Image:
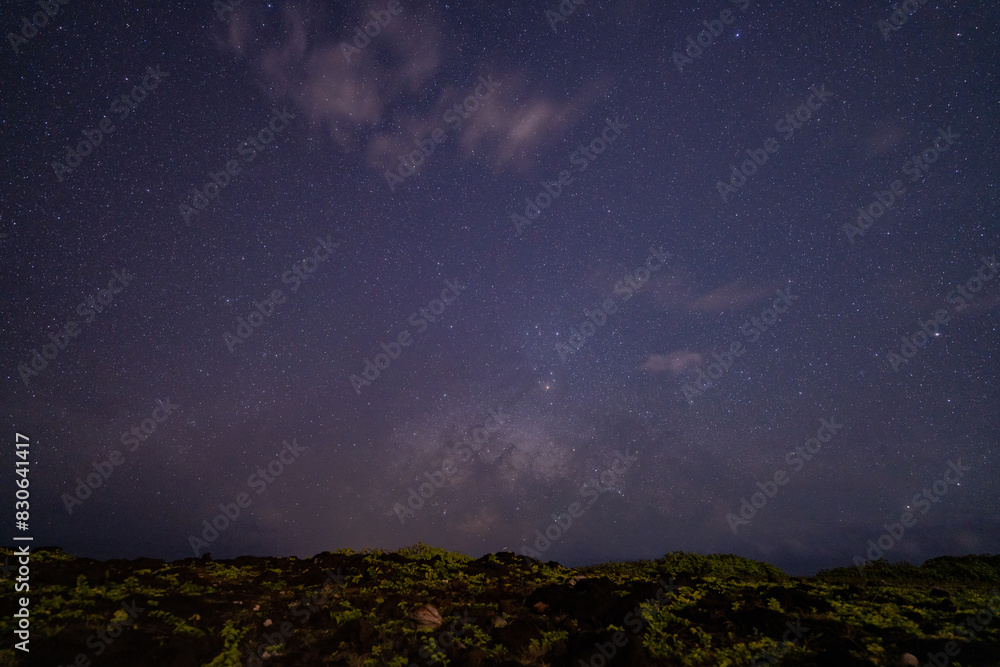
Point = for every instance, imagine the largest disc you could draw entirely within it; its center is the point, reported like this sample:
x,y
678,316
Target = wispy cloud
x,y
675,362
374,102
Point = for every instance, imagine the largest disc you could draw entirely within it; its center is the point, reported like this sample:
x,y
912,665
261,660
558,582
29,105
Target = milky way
x,y
608,278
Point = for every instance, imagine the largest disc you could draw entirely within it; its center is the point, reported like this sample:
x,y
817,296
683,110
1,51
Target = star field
x,y
486,260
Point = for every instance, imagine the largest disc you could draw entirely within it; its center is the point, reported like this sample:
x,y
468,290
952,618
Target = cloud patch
x,y
675,362
378,100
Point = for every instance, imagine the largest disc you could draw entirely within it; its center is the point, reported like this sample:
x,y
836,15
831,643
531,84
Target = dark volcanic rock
x,y
502,609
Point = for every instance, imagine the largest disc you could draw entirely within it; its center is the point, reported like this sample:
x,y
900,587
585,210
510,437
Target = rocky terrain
x,y
426,606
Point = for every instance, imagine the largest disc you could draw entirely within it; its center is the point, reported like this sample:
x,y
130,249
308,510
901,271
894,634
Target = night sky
x,y
706,276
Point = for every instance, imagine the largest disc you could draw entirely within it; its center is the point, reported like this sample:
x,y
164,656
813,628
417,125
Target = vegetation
x,y
427,606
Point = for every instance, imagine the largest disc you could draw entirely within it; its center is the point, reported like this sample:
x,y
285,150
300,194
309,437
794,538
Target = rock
x,y
426,616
